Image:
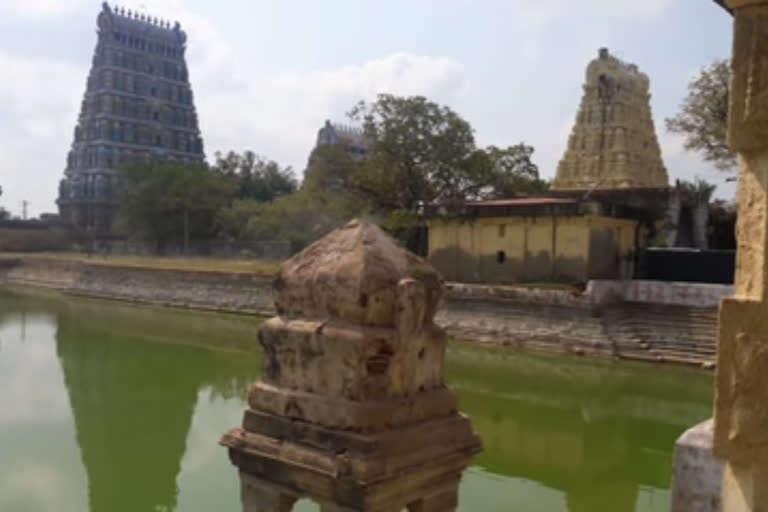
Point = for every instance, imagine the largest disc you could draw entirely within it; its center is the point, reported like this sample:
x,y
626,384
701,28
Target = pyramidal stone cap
x,y
356,274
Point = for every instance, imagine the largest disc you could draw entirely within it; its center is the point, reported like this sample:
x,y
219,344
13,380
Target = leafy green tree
x,y
418,152
421,152
699,189
300,218
331,179
167,201
256,177
235,221
513,171
703,116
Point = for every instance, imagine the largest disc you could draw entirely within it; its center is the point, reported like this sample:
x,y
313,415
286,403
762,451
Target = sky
x,y
267,74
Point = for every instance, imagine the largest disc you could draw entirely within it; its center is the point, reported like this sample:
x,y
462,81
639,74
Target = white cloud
x,y
41,100
537,14
40,8
281,113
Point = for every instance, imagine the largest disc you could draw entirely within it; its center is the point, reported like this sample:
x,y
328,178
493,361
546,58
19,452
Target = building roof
x,y
523,201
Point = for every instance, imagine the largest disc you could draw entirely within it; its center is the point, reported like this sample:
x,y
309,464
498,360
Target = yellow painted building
x,y
531,240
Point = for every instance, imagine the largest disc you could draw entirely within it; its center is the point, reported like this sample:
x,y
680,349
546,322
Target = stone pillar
x,y
701,223
741,394
672,218
352,410
697,475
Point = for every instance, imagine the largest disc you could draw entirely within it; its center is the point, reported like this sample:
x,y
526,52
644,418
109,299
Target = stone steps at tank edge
x,y
679,342
670,357
598,338
596,350
652,324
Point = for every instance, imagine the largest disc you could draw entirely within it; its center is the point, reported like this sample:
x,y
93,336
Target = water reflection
x,y
110,407
129,383
39,465
599,433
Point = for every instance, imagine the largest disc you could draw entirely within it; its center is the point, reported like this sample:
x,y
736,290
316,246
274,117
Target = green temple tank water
x,y
108,407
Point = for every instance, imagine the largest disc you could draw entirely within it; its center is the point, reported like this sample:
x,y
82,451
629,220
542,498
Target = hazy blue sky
x,y
266,74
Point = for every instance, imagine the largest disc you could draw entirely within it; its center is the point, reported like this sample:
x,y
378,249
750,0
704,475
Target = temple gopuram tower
x,y
137,106
613,143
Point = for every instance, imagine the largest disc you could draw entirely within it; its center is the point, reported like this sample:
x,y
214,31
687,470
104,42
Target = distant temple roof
x,y
333,133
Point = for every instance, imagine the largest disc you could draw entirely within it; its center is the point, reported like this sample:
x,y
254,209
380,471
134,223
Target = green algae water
x,y
108,407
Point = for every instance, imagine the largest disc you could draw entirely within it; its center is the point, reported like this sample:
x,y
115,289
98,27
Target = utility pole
x,y
24,209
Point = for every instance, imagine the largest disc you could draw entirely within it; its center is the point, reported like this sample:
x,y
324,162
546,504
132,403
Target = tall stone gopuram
x,y
352,410
137,106
613,143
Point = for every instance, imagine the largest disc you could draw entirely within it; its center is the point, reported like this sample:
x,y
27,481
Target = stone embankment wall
x,y
216,291
600,321
634,320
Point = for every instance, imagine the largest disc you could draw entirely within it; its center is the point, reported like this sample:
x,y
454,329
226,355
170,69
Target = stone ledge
x,y
361,416
696,474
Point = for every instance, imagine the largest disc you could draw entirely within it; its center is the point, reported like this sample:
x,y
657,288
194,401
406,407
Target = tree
x,y
165,201
256,177
196,189
299,218
331,180
421,152
703,116
700,190
514,172
234,221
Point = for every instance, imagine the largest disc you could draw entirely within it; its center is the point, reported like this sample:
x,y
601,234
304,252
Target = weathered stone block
x,y
741,398
351,409
697,474
748,114
364,416
358,274
353,362
405,466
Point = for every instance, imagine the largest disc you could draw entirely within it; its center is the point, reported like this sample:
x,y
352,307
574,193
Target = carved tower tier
x,y
137,106
613,143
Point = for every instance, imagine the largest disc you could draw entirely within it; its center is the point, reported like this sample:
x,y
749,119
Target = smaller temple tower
x,y
350,138
613,143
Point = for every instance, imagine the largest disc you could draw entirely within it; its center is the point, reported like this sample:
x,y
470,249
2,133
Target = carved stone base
x,y
363,416
417,467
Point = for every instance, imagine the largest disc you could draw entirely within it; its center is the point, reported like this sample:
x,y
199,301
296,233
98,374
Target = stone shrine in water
x,y
613,143
137,106
352,410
